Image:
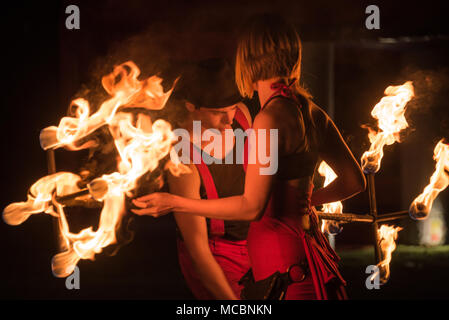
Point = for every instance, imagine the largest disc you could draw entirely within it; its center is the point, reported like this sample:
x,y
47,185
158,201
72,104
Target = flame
x,y
422,205
329,226
387,237
40,197
391,120
140,148
126,90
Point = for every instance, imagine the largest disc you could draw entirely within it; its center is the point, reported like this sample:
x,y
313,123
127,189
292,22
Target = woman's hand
x,y
154,204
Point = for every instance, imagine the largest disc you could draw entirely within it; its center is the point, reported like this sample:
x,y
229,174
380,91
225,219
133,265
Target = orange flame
x,y
40,197
140,148
387,236
391,120
422,205
329,226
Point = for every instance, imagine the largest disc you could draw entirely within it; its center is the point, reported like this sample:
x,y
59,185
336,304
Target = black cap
x,y
208,84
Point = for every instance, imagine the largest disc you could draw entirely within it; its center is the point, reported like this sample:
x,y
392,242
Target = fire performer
x,y
212,253
284,241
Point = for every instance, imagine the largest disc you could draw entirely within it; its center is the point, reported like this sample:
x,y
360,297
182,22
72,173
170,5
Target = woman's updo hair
x,y
268,47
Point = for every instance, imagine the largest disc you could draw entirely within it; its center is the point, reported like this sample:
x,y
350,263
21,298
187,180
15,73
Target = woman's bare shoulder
x,y
270,116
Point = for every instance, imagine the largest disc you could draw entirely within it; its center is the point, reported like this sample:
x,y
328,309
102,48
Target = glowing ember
x,y
422,205
330,226
140,148
390,114
387,236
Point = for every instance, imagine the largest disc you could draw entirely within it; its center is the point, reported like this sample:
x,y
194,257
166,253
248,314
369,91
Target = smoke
x,y
430,86
427,111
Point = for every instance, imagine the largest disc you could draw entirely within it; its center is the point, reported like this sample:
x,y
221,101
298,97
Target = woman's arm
x,y
350,179
248,207
194,233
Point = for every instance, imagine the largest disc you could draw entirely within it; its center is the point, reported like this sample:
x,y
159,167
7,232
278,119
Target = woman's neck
x,y
264,90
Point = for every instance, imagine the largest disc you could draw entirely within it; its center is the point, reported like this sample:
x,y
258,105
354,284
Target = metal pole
x,y
373,213
345,217
393,216
51,166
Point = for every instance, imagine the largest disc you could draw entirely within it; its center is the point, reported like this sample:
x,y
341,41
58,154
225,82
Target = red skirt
x,y
275,244
232,256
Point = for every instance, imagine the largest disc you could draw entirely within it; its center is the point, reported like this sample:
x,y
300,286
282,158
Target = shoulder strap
x,y
282,90
244,123
241,119
216,226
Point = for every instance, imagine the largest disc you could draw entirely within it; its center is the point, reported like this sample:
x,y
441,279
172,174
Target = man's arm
x,y
194,232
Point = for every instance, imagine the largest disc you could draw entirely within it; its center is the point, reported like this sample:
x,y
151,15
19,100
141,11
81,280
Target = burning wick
x,y
422,205
387,236
391,120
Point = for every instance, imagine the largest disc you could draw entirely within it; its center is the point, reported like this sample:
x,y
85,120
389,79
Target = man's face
x,y
217,118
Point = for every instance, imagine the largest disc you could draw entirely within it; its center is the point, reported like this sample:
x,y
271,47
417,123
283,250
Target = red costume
x,y
277,241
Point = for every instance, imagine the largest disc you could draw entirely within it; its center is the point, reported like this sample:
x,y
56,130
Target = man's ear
x,y
255,86
189,106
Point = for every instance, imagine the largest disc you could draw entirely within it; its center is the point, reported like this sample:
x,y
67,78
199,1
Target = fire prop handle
x,y
62,200
372,217
373,213
51,167
353,217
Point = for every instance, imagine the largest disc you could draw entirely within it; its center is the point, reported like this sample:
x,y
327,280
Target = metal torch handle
x,y
373,213
51,166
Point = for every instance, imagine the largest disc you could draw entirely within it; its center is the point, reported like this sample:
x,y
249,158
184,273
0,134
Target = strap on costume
x,y
241,119
282,90
216,226
243,122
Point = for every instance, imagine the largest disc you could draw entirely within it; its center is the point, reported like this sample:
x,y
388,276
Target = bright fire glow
x,y
141,144
422,205
387,238
391,120
330,226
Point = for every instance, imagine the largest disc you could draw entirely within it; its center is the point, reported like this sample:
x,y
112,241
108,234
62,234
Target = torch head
x,y
418,211
98,188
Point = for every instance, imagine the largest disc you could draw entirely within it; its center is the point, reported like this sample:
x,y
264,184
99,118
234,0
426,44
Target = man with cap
x,y
212,253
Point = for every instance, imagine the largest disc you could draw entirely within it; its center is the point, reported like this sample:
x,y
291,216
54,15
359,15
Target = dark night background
x,y
345,66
